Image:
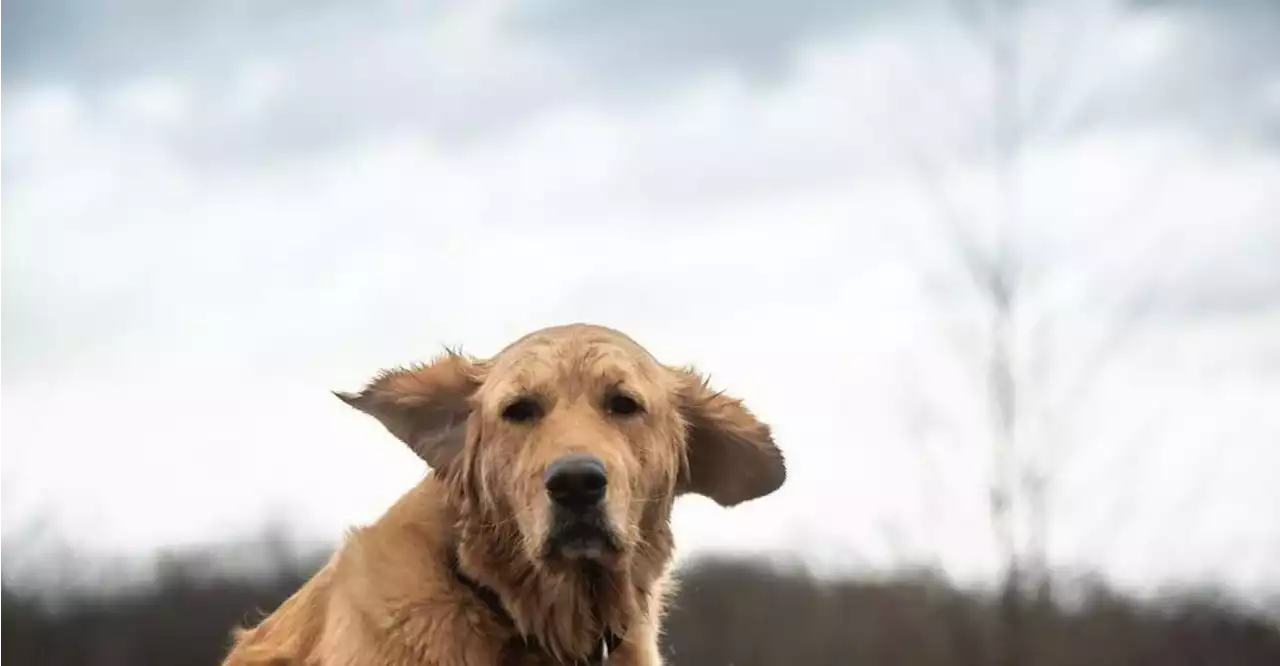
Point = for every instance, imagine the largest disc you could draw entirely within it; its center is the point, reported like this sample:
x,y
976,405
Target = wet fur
x,y
390,596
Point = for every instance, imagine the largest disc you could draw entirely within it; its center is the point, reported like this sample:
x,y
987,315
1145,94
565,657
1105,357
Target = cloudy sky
x,y
216,212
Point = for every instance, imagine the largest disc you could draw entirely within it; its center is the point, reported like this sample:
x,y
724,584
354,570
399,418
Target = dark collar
x,y
607,643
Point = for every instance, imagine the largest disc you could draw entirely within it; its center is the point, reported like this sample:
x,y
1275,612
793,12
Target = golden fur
x,y
392,594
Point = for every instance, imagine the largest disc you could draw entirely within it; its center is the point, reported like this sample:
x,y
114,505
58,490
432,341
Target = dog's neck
x,y
520,645
565,611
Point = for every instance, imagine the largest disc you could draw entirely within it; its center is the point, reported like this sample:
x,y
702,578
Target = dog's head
x,y
576,437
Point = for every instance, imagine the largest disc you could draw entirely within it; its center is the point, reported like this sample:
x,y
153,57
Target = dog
x,y
541,534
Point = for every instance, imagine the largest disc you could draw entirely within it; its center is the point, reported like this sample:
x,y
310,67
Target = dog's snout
x,y
576,481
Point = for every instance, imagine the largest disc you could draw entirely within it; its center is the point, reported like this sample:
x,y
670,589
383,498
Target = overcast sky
x,y
216,212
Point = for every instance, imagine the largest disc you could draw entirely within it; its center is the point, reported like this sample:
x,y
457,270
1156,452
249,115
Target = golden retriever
x,y
542,534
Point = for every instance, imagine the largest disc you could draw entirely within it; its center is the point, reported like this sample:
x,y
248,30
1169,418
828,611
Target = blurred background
x,y
1004,275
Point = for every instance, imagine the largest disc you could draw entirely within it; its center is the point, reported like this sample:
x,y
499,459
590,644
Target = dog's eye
x,y
622,405
522,410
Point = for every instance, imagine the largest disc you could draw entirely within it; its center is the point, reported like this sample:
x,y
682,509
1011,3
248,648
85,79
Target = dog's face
x,y
578,436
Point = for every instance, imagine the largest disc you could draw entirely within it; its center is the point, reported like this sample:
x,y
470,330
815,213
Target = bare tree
x,y
1014,363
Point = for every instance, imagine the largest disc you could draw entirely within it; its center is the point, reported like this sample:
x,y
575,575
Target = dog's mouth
x,y
580,538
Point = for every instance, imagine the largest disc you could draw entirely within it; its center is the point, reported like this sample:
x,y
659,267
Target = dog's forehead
x,y
579,350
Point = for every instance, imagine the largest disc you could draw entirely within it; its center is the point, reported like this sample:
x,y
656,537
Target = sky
x,y
214,213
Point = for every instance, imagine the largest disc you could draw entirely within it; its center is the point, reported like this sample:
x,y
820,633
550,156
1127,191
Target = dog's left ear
x,y
732,457
424,406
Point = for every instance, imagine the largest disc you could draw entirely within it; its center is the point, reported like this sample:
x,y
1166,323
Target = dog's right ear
x,y
425,406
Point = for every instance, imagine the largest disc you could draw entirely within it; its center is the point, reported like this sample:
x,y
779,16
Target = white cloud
x,y
151,102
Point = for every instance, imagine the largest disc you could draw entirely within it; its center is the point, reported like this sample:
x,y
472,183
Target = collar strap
x,y
605,646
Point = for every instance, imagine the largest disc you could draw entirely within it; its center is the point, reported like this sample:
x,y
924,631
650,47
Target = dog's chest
x,y
519,653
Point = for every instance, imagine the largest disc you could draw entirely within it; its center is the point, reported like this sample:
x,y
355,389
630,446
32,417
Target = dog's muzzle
x,y
577,485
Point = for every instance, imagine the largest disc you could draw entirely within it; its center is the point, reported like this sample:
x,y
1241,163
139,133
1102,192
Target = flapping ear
x,y
425,406
732,457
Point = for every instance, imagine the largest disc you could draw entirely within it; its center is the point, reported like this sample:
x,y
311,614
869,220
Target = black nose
x,y
576,481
